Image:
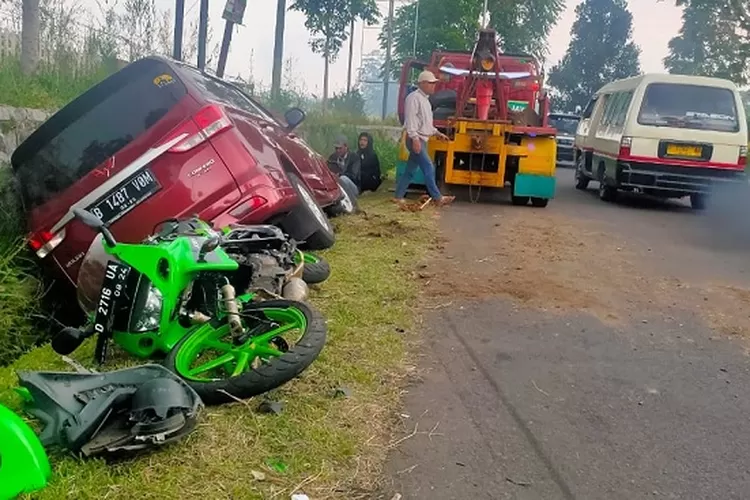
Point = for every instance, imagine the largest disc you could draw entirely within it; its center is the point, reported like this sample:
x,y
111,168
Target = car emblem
x,y
106,169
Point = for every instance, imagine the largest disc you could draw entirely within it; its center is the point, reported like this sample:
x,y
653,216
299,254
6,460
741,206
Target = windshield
x,y
689,106
92,128
564,124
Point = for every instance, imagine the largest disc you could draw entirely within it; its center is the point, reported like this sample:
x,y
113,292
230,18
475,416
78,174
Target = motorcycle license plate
x,y
113,287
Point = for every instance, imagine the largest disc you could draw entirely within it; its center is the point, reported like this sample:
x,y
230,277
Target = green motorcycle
x,y
173,295
24,466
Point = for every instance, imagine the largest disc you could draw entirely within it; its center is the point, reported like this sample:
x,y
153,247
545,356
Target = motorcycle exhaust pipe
x,y
295,289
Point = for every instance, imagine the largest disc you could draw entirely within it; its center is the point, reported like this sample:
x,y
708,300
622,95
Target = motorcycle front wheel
x,y
315,270
223,369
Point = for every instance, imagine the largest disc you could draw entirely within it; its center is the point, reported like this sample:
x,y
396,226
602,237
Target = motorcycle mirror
x,y
94,223
208,246
88,218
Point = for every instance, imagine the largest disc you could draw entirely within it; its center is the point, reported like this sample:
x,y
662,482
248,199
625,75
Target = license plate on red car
x,y
125,196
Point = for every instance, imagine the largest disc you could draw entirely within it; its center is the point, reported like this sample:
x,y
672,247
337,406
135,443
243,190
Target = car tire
x,y
347,205
308,223
582,182
698,201
606,192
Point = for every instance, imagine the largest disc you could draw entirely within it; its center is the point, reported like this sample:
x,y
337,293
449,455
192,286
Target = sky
x,y
655,22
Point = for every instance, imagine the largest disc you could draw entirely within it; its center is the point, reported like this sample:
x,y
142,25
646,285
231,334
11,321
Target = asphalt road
x,y
586,350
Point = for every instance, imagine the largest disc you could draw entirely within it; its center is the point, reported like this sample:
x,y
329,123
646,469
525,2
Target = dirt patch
x,y
558,262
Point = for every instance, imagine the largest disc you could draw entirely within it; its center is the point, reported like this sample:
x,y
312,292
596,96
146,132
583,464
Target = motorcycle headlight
x,y
146,318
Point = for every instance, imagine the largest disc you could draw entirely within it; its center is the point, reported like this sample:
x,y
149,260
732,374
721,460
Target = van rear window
x,y
93,127
696,107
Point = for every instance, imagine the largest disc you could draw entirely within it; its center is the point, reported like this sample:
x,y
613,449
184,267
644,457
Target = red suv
x,y
160,139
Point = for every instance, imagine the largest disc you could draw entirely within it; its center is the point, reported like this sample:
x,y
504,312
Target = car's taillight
x,y
248,206
742,160
625,144
44,242
210,121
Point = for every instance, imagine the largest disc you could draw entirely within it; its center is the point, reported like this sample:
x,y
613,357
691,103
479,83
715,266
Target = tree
x,y
30,36
328,23
522,26
601,50
714,41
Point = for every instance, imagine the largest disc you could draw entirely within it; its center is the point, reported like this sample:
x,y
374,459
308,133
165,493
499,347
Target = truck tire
x,y
606,192
308,222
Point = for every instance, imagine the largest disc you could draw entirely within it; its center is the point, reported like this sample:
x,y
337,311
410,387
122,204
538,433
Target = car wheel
x,y
308,223
698,201
582,182
348,203
606,193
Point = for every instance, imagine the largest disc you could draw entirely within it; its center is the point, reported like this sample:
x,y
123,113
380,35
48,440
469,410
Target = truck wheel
x,y
607,193
539,202
308,223
520,201
698,201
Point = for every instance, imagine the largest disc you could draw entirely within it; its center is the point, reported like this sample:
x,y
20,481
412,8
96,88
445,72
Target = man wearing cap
x,y
419,128
345,162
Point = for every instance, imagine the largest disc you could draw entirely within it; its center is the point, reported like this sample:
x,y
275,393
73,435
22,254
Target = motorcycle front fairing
x,y
138,306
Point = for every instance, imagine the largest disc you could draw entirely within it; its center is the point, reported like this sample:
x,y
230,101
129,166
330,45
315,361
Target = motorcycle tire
x,y
252,381
316,269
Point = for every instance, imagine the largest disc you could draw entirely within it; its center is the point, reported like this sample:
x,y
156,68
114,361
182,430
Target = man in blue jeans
x,y
419,128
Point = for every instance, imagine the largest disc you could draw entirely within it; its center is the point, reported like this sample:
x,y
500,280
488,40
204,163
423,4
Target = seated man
x,y
345,162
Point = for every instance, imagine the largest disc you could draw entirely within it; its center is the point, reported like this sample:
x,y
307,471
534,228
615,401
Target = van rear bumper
x,y
676,179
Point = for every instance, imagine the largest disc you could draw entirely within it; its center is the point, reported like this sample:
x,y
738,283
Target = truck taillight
x,y
210,120
625,144
742,160
44,242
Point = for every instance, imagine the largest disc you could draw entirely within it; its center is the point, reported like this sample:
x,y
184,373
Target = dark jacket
x,y
348,165
370,174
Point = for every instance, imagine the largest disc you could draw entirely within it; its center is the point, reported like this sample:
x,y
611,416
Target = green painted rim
x,y
217,352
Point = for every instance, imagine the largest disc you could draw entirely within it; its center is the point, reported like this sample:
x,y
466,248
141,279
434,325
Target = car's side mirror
x,y
293,118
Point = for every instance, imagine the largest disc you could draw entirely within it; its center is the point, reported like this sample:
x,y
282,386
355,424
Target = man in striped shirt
x,y
419,128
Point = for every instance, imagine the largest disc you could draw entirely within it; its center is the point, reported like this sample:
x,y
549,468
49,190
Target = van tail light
x,y
625,144
210,121
742,160
44,242
248,206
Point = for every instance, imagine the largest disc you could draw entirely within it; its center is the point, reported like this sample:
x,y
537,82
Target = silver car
x,y
566,124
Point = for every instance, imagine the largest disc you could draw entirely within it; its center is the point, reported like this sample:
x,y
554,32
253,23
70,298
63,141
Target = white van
x,y
664,135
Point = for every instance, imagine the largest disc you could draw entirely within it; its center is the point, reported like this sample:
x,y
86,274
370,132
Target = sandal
x,y
445,200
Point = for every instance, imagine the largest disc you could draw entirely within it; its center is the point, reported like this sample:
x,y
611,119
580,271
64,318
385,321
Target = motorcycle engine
x,y
267,272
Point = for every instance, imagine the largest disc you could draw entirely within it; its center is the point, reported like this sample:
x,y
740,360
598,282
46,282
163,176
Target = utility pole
x,y
278,49
179,18
202,34
387,75
351,57
485,11
224,52
416,28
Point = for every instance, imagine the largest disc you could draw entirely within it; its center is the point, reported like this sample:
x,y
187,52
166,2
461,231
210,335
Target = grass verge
x,y
324,446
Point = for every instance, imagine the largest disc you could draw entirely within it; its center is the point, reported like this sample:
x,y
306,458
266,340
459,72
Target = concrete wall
x,y
15,125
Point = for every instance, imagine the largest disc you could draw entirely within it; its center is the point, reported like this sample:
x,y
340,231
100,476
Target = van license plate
x,y
125,196
684,151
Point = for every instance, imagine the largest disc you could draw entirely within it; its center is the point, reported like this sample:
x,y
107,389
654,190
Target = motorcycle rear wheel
x,y
222,371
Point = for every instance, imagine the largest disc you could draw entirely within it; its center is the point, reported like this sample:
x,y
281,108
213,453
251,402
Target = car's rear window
x,y
696,107
564,124
93,127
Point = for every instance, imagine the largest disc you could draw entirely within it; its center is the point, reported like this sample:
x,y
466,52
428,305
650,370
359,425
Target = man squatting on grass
x,y
419,128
